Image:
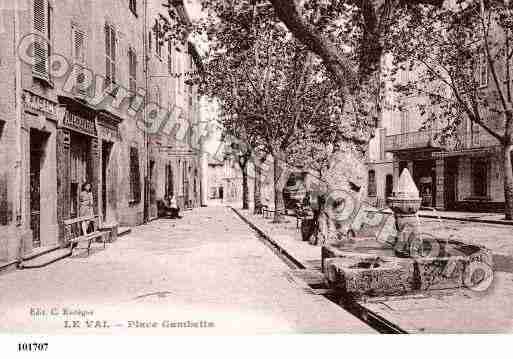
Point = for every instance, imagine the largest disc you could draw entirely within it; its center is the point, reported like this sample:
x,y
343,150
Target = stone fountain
x,y
407,261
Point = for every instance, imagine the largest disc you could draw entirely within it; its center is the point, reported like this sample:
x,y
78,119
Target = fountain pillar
x,y
405,204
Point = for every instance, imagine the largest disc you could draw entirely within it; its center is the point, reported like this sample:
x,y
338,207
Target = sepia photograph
x,y
199,168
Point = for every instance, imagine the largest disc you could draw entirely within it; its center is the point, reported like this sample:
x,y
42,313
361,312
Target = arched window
x,y
372,184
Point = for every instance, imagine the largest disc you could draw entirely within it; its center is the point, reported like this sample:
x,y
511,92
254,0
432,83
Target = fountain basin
x,y
370,268
356,275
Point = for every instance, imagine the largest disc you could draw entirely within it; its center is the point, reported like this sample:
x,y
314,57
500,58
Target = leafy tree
x,y
277,84
461,57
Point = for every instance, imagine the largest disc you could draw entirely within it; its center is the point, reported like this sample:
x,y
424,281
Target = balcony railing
x,y
410,140
425,139
471,140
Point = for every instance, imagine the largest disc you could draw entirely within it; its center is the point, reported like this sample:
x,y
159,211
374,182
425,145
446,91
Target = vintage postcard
x,y
219,167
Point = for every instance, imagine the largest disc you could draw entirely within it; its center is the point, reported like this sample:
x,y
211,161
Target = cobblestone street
x,y
208,266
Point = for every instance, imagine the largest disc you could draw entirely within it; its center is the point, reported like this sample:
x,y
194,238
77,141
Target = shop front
x,y
77,159
39,145
110,139
471,180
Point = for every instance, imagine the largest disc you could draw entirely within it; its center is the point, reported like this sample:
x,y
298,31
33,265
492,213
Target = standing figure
x,y
86,205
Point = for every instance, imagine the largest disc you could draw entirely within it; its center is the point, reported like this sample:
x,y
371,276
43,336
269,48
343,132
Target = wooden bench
x,y
268,212
75,232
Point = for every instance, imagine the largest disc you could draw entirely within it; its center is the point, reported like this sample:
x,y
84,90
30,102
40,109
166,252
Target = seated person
x,y
173,207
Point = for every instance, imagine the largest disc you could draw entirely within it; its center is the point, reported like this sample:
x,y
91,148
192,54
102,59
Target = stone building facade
x,y
464,174
175,146
68,116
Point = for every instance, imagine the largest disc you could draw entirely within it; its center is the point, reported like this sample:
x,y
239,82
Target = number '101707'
x,y
32,347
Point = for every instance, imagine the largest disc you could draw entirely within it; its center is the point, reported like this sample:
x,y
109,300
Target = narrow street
x,y
206,267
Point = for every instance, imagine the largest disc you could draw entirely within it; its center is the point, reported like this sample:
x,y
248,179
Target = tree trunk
x,y
280,172
257,195
508,182
245,189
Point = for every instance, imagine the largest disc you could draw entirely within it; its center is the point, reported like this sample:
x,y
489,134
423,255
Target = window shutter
x,y
110,53
113,52
40,13
107,53
79,43
41,41
79,57
107,39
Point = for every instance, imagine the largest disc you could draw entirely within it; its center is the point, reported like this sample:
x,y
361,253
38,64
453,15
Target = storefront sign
x,y
38,103
79,123
108,134
108,127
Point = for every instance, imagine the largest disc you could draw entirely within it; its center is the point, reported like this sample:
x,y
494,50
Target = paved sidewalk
x,y
459,312
208,267
287,236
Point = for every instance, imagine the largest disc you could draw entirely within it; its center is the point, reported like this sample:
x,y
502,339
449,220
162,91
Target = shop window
x,y
372,184
135,179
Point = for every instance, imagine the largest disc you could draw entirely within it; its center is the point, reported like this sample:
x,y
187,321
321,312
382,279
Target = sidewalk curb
x,y
476,220
270,242
297,262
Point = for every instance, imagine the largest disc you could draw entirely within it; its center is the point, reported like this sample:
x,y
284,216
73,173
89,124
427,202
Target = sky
x,y
208,110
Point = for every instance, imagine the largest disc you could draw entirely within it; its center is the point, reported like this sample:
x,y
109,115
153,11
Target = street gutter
x,y
374,320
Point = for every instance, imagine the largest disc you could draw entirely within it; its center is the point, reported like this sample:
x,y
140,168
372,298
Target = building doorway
x,y
451,176
38,142
80,169
402,166
169,191
424,177
152,202
389,186
106,153
185,178
480,177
